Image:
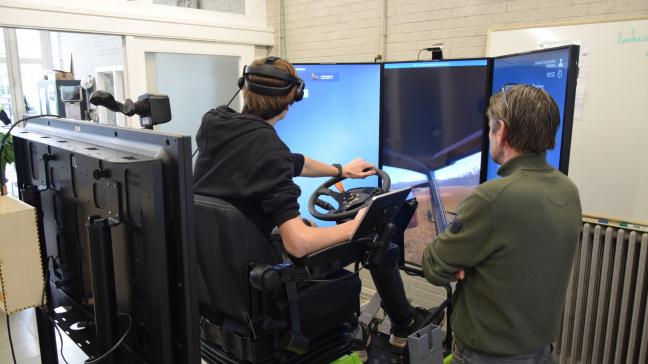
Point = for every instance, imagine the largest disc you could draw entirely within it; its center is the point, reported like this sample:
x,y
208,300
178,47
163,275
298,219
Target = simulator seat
x,y
259,306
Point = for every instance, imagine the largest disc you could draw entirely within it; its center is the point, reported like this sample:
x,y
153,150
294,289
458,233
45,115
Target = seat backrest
x,y
228,244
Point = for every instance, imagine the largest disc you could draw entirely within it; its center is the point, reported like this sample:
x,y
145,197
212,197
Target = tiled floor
x,y
25,340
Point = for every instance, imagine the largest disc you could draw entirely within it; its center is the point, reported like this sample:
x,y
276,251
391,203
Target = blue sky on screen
x,y
337,120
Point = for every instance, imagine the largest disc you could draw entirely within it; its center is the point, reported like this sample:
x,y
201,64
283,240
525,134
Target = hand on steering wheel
x,y
349,202
358,168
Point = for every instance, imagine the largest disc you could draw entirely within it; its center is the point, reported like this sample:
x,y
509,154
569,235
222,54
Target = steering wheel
x,y
349,202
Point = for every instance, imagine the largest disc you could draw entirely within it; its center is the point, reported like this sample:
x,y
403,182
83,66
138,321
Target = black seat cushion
x,y
228,243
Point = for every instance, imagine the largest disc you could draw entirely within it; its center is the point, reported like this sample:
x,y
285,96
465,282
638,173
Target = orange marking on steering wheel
x,y
340,186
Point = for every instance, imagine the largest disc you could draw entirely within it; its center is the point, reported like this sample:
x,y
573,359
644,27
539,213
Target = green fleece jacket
x,y
515,238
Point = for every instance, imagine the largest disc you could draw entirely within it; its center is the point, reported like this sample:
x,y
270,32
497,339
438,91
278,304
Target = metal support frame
x,y
103,284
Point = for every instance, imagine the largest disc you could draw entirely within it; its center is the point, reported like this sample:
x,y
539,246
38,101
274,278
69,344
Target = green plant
x,y
7,156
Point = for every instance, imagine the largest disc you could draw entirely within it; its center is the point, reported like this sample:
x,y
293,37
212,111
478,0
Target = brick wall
x,y
90,51
338,30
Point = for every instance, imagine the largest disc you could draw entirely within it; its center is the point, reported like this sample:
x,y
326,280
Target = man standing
x,y
513,241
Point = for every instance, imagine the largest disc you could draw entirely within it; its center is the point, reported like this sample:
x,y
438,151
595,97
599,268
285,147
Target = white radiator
x,y
605,318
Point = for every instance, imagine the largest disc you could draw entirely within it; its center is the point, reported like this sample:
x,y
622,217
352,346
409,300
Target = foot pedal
x,y
370,309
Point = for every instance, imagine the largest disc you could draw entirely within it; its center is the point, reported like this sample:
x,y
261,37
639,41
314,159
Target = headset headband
x,y
268,70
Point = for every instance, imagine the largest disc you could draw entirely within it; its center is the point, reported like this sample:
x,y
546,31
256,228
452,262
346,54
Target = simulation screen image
x,y
545,69
337,120
433,120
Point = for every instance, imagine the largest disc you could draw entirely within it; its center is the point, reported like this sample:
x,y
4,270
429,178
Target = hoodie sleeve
x,y
274,187
298,164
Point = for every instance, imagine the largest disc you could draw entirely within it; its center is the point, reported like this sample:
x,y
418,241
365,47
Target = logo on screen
x,y
325,76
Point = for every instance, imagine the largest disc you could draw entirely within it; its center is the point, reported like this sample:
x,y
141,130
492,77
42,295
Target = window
x,y
5,96
227,6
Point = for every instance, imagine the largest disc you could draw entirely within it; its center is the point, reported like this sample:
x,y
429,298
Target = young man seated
x,y
242,161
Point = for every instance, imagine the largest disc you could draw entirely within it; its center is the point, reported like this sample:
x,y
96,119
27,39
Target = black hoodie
x,y
242,161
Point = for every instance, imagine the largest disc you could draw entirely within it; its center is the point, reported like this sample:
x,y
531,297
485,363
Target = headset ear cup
x,y
300,91
241,82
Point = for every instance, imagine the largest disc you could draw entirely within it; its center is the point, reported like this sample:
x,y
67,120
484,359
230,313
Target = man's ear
x,y
501,133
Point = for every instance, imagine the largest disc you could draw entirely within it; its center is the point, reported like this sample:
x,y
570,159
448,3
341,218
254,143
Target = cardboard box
x,y
60,75
21,269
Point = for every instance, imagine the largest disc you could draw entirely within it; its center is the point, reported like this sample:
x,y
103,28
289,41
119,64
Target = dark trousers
x,y
464,355
389,284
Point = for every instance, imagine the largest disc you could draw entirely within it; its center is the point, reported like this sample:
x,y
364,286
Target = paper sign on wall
x,y
583,70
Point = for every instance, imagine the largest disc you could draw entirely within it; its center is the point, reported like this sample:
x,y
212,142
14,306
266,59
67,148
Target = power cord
x,y
117,344
13,354
44,309
418,57
436,50
58,331
6,136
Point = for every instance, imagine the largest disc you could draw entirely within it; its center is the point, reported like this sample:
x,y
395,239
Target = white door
x,y
197,76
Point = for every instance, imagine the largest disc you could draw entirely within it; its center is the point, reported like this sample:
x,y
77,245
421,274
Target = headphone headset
x,y
268,70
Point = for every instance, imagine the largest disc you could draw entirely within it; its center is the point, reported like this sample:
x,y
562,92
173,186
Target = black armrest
x,y
316,265
333,258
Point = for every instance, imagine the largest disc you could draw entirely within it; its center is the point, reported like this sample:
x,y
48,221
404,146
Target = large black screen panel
x,y
432,138
554,70
139,182
433,112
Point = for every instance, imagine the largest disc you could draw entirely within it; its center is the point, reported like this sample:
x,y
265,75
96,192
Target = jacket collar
x,y
526,161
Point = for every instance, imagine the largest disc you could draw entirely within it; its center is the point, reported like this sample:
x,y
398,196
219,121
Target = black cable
x,y
117,344
418,57
134,354
13,354
6,136
228,104
58,331
44,309
232,99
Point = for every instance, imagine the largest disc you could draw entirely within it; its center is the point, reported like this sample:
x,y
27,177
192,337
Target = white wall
x,y
195,83
339,30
